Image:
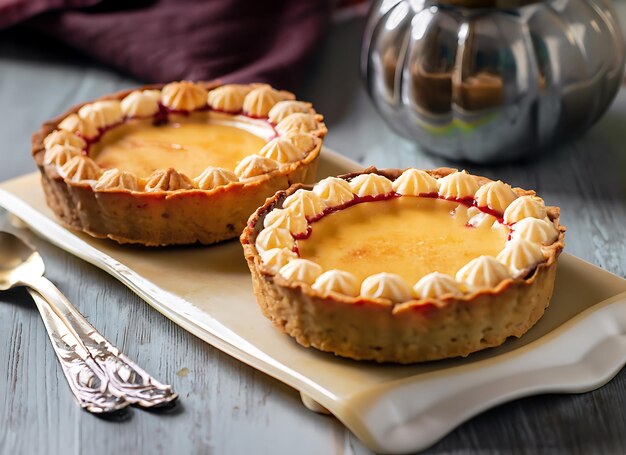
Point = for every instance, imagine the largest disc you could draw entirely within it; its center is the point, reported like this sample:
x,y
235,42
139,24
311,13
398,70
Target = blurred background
x,y
55,53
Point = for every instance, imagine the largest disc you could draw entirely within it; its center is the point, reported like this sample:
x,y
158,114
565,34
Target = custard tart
x,y
404,265
178,163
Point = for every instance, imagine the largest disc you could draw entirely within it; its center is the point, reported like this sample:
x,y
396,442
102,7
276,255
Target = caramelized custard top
x,y
409,236
188,145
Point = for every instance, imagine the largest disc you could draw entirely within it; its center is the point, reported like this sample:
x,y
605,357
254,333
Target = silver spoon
x,y
101,377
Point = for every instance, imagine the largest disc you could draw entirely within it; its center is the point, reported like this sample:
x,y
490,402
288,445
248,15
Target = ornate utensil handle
x,y
125,378
86,379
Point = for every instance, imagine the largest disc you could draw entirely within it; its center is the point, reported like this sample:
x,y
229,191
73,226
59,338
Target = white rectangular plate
x,y
391,408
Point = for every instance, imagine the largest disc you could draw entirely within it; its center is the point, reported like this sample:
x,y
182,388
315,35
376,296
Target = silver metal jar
x,y
492,80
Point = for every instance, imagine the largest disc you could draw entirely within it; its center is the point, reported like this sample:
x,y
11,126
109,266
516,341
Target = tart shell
x,y
409,332
163,217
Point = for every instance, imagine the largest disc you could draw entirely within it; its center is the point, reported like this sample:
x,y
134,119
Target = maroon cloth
x,y
165,40
15,11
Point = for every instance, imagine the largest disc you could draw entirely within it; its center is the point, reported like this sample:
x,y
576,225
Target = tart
x,y
404,265
178,163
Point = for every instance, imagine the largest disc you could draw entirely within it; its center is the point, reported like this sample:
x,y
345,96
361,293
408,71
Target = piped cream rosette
x,y
293,130
492,204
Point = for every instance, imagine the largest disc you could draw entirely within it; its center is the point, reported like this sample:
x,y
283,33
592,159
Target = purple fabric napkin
x,y
165,40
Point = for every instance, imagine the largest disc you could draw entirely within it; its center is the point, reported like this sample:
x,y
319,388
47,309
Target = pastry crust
x,y
159,218
414,331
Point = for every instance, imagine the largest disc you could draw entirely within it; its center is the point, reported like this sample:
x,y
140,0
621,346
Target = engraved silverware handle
x,y
125,378
86,379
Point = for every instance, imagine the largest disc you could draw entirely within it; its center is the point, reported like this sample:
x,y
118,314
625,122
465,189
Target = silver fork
x,y
101,377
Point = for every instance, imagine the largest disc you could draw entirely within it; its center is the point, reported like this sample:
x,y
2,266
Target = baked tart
x,y
178,163
404,265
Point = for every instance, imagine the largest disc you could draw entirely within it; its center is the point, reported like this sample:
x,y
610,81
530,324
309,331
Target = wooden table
x,y
226,406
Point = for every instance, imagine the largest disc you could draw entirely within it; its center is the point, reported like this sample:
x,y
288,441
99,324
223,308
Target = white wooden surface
x,y
225,406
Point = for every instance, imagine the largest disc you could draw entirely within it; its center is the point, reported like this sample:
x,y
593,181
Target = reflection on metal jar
x,y
492,80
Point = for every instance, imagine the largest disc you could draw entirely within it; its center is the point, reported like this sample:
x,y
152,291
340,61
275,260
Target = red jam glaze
x,y
466,201
160,118
497,215
303,235
96,138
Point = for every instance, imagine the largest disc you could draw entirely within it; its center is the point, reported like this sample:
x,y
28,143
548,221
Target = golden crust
x,y
163,218
409,332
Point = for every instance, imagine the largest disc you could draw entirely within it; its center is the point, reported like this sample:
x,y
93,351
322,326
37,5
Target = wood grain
x,y
226,406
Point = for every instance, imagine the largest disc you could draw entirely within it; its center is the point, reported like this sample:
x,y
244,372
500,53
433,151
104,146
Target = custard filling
x,y
187,144
409,236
